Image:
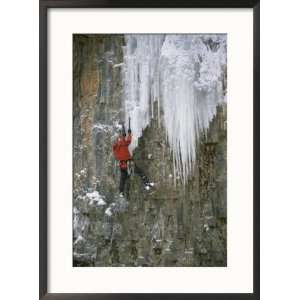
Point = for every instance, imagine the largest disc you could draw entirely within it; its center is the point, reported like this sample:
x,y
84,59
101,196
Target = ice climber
x,y
122,154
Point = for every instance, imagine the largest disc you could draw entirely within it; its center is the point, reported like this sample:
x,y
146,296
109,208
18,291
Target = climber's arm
x,y
128,138
117,143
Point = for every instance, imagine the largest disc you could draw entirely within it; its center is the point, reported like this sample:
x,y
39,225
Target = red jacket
x,y
120,148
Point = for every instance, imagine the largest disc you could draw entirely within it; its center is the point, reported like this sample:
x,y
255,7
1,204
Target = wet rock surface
x,y
170,225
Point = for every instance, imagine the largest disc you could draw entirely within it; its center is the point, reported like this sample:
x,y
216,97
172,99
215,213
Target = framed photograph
x,y
149,150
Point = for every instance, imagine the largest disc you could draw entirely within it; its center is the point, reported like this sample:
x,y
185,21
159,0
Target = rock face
x,y
171,225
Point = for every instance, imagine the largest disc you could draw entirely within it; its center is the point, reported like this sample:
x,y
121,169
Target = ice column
x,y
141,58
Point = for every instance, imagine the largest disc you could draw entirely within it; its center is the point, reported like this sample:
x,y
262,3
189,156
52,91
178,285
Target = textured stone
x,y
174,225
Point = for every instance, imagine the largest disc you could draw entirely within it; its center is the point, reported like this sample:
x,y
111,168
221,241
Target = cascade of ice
x,y
186,75
141,58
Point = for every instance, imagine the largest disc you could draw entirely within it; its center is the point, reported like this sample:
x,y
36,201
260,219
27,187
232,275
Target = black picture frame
x,y
43,145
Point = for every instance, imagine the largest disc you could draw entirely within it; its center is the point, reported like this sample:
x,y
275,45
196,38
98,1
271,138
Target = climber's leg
x,y
123,178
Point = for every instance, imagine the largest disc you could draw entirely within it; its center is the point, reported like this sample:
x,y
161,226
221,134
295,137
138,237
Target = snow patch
x,y
95,197
79,238
118,65
108,211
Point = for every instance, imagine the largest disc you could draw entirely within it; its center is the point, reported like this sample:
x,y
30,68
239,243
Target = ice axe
x,y
123,130
129,128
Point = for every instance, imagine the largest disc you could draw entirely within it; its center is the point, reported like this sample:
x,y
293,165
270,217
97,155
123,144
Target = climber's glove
x,y
129,131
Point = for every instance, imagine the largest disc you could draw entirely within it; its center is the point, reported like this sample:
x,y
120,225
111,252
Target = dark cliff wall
x,y
96,103
169,226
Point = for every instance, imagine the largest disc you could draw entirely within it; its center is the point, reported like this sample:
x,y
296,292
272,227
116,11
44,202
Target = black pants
x,y
124,176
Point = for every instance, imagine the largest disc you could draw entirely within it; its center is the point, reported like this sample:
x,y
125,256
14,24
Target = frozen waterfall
x,y
186,75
